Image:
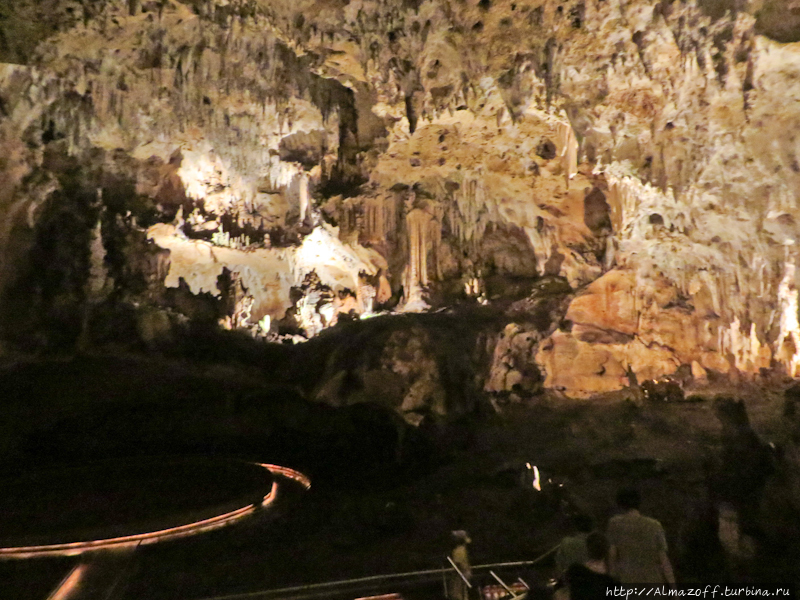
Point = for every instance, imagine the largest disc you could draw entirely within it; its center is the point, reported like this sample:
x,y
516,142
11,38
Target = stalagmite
x,y
365,297
384,291
243,312
787,346
568,144
98,274
303,196
6,226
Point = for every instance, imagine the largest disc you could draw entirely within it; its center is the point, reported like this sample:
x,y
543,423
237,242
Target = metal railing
x,y
360,582
460,574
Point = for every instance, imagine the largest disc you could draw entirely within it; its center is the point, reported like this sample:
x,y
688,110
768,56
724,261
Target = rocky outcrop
x,y
418,367
514,373
622,330
513,366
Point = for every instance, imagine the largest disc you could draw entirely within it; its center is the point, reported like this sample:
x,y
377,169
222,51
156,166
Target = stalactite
x,y
615,199
434,234
379,219
373,219
348,220
471,212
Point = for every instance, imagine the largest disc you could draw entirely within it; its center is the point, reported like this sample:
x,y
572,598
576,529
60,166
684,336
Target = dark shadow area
x,y
779,20
34,579
123,497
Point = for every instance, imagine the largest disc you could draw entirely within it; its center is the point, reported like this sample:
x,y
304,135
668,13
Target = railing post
x,y
503,583
469,585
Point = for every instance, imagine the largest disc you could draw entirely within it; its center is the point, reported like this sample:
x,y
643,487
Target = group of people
x,y
633,550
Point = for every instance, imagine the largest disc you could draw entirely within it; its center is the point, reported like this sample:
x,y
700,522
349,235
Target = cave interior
x,y
412,249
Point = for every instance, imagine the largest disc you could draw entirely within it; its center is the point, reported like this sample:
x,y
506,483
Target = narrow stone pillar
x,y
418,222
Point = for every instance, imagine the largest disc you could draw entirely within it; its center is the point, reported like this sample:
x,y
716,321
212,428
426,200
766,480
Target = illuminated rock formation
x,y
379,219
636,150
420,225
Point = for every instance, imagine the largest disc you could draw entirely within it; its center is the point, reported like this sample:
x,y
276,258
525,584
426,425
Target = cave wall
x,y
643,151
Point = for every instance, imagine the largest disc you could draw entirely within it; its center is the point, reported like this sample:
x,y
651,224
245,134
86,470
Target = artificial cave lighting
x,y
201,173
536,480
403,247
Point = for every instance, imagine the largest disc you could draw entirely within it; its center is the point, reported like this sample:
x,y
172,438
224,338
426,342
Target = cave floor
x,y
346,528
338,535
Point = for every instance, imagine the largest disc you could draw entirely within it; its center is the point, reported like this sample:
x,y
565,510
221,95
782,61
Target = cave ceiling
x,y
326,157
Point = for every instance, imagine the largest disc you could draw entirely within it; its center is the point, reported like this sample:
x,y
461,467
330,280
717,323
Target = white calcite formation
x,y
267,274
646,152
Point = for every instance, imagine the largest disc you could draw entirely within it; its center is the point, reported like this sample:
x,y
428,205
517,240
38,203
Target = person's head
x,y
596,546
629,499
460,537
582,523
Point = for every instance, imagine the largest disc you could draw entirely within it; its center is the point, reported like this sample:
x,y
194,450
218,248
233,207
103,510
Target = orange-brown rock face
x,y
608,304
580,369
621,327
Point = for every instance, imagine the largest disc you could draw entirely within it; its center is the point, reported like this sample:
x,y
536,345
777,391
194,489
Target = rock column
x,y
303,196
418,224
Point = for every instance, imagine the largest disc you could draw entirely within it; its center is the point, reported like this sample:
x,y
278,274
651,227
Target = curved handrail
x,y
287,472
170,533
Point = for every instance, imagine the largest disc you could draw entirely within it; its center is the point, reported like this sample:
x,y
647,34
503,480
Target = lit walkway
x,y
98,576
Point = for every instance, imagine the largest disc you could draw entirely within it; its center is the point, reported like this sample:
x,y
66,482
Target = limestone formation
x,y
644,152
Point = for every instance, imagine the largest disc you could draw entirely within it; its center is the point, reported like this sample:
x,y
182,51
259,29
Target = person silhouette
x,y
638,552
457,588
573,549
590,580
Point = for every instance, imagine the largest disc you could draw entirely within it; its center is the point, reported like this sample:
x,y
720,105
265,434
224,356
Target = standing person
x,y
590,580
638,552
572,549
457,589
